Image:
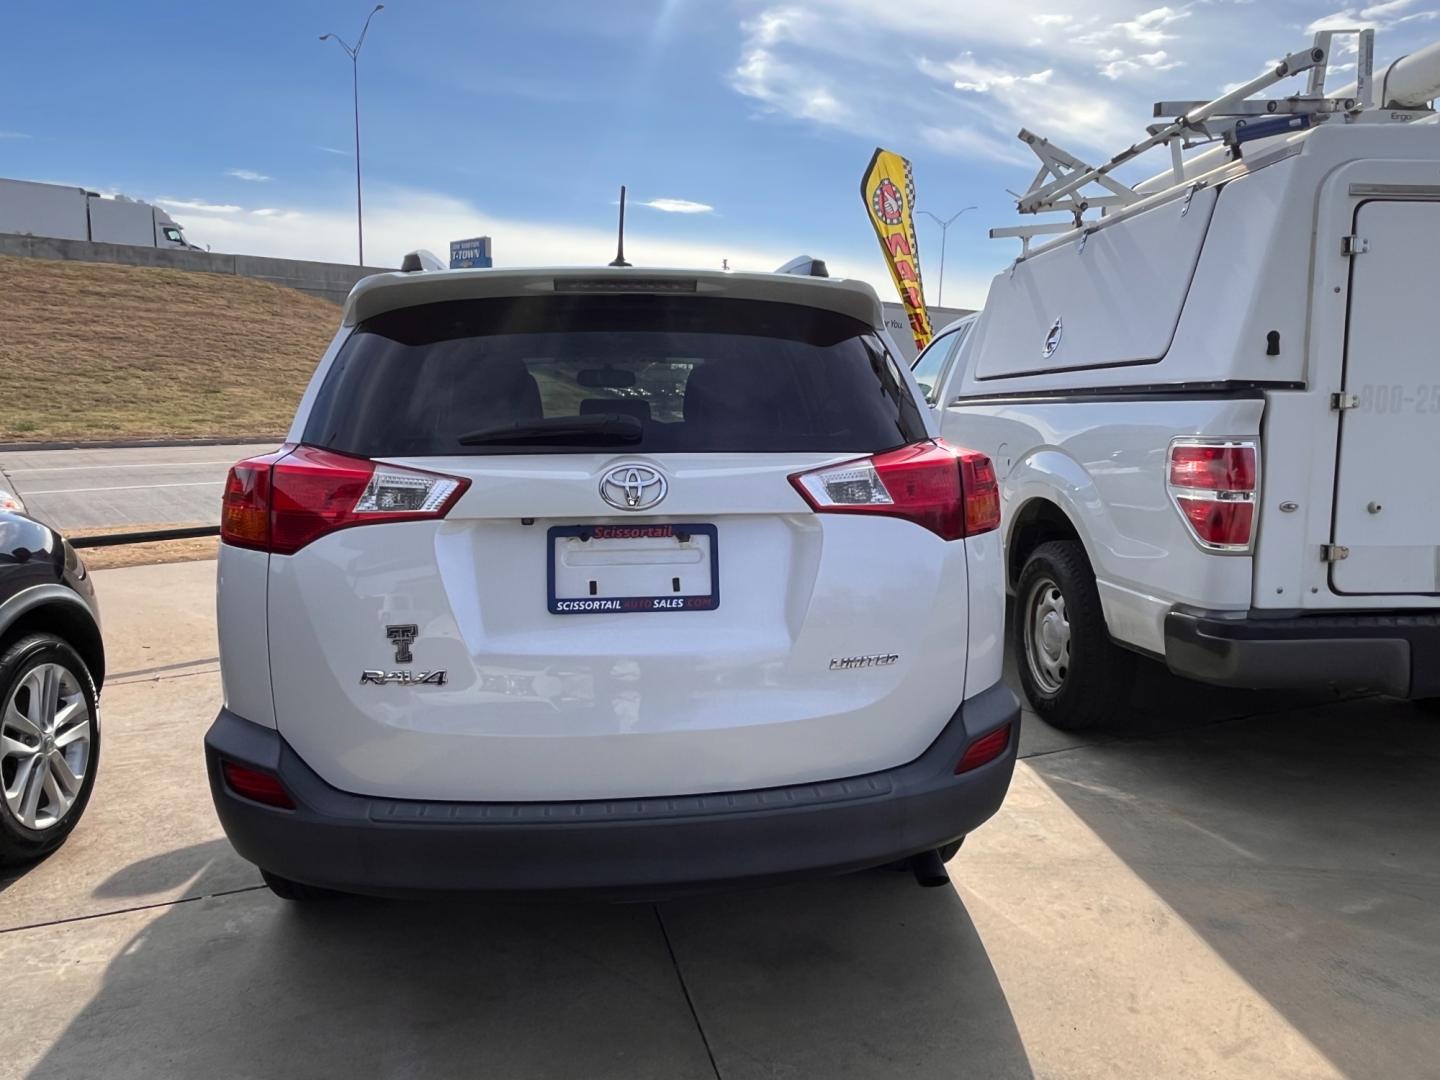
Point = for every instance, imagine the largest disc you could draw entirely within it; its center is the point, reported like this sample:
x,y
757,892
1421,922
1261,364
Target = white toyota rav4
x,y
613,581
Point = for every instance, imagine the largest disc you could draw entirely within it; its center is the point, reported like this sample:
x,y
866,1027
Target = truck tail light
x,y
943,488
1214,484
283,501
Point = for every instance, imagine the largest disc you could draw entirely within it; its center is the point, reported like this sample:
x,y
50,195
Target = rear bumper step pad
x,y
1396,653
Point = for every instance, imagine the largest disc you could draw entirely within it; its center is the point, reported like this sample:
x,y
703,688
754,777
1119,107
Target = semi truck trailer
x,y
73,213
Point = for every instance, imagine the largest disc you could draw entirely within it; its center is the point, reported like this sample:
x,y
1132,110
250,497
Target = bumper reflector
x,y
984,749
257,786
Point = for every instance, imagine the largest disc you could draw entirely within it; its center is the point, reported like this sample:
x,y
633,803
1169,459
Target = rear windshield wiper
x,y
595,429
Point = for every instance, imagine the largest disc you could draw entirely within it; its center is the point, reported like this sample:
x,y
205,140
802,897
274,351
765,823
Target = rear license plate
x,y
619,569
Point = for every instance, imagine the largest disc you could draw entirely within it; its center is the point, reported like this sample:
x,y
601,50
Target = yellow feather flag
x,y
888,189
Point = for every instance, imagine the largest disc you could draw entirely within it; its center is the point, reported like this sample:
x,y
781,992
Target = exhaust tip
x,y
929,869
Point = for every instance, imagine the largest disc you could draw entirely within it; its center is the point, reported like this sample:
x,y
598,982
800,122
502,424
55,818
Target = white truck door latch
x,y
1354,245
1333,553
1340,401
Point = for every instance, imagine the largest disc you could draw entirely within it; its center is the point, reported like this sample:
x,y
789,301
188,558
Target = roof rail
x,y
1232,119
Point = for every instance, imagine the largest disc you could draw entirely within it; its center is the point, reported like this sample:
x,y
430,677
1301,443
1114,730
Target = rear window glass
x,y
657,372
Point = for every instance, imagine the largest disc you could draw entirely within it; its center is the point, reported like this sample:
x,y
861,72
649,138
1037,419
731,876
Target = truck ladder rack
x,y
1059,184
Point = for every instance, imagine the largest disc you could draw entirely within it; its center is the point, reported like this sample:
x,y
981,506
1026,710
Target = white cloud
x,y
971,75
1372,17
678,206
333,150
13,135
398,220
1147,28
197,205
975,142
819,65
1379,11
247,174
781,83
997,101
1155,61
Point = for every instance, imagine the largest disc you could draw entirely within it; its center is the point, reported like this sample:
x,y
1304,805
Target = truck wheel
x,y
1073,674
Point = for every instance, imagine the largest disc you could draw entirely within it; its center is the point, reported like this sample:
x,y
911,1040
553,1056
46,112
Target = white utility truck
x,y
72,213
1214,409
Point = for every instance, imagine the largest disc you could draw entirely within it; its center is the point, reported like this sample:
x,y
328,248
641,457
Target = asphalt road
x,y
162,485
1231,885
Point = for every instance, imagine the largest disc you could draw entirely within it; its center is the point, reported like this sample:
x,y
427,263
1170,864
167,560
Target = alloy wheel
x,y
45,735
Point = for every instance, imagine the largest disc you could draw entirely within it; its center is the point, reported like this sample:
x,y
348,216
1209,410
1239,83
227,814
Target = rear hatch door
x,y
630,597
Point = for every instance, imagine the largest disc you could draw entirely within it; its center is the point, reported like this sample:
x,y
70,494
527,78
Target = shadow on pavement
x,y
862,976
867,976
1299,844
168,870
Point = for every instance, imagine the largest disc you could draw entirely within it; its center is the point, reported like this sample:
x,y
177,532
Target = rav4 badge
x,y
404,678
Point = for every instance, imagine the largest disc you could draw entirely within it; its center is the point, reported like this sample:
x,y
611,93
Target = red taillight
x,y
984,749
981,491
281,502
1214,485
245,506
258,786
950,491
1213,466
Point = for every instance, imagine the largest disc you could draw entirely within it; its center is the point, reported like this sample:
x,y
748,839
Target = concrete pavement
x,y
153,485
1197,896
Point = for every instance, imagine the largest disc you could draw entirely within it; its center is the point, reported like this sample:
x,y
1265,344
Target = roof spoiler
x,y
420,259
805,266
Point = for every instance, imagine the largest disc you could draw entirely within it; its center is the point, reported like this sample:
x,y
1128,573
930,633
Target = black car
x,y
52,663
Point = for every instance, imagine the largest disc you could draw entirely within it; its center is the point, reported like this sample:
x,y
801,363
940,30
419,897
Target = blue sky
x,y
522,119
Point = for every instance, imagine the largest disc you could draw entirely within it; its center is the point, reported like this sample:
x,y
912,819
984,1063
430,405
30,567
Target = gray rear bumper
x,y
1394,653
653,846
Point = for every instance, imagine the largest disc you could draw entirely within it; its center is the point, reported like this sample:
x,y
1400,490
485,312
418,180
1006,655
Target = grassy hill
x,y
100,351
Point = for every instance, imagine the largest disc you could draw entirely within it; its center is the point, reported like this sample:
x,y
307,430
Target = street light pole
x,y
944,232
354,54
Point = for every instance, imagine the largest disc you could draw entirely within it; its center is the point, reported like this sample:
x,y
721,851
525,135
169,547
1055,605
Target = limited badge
x,y
853,663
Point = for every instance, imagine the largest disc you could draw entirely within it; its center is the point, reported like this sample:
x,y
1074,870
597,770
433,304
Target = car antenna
x,y
620,243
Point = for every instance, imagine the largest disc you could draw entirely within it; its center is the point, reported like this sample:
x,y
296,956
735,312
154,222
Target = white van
x,y
1214,412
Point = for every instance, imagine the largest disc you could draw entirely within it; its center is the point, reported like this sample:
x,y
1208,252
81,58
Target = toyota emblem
x,y
633,487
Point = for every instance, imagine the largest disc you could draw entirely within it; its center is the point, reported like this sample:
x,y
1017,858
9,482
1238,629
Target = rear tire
x,y
296,891
1074,675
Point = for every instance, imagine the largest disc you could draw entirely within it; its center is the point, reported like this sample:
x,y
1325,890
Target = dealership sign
x,y
465,254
